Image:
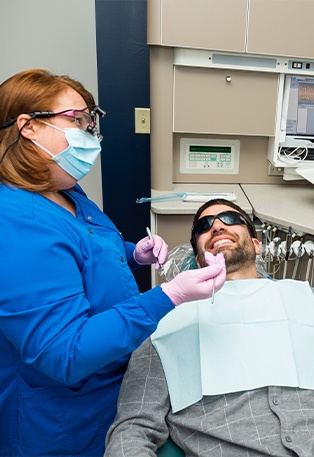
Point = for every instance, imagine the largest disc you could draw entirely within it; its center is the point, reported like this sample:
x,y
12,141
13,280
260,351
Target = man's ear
x,y
197,262
257,246
26,126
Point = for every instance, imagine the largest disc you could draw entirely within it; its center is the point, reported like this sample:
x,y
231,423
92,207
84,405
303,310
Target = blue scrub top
x,y
70,315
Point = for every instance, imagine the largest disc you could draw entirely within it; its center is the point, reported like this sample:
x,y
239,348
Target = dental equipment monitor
x,y
297,121
213,156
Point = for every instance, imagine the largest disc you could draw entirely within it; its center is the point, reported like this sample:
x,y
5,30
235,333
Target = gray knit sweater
x,y
270,421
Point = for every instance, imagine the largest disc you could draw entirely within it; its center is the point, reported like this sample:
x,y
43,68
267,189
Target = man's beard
x,y
241,256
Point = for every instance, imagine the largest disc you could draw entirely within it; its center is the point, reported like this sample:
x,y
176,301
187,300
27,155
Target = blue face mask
x,y
81,154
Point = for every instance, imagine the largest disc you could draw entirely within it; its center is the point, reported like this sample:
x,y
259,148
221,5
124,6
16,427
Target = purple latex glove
x,y
197,284
148,251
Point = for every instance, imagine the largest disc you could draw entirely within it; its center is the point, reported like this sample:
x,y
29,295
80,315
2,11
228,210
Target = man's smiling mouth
x,y
221,242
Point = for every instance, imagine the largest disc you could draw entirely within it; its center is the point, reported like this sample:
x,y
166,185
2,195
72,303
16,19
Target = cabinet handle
x,y
228,78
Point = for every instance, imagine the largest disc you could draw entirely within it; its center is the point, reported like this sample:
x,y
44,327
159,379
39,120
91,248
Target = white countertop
x,y
283,204
177,206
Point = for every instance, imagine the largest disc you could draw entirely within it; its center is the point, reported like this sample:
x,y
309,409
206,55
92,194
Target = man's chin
x,y
221,249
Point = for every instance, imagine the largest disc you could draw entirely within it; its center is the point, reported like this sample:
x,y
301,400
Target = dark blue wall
x,y
123,80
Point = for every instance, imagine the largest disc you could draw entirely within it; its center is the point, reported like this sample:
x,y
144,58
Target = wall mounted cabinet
x,y
281,27
253,26
214,24
224,100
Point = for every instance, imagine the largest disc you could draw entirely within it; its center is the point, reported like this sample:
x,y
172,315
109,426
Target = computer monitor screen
x,y
300,113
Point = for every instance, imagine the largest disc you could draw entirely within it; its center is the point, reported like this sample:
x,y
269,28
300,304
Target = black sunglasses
x,y
227,217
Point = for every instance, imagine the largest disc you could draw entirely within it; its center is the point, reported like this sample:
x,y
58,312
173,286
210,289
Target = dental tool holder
x,y
287,253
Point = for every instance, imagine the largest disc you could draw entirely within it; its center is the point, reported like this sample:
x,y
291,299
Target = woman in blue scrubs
x,y
70,309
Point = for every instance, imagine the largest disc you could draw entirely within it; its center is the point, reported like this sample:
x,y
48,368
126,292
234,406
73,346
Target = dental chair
x,y
170,449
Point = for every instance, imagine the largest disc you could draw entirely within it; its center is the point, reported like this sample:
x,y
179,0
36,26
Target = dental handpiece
x,y
277,243
288,250
264,243
288,244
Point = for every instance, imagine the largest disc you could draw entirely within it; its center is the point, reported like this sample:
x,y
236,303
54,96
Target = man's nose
x,y
217,226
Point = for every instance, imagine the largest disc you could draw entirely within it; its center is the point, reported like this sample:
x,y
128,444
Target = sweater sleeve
x,y
140,425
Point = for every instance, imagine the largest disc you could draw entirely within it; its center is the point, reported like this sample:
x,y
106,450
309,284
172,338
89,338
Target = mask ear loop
x,y
53,126
42,147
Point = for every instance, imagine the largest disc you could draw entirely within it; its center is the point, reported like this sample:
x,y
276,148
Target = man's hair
x,y
221,201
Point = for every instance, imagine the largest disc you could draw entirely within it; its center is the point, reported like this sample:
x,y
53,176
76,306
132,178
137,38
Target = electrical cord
x,y
292,155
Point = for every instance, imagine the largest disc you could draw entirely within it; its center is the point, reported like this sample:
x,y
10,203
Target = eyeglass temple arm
x,y
36,114
43,114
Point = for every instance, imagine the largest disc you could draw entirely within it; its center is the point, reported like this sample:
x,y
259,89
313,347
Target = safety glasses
x,y
204,224
85,119
81,117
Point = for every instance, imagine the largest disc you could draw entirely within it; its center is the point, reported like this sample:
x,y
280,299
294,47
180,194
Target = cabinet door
x,y
224,101
209,24
281,27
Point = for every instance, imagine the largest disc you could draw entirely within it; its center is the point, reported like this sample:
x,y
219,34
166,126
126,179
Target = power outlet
x,y
142,120
275,171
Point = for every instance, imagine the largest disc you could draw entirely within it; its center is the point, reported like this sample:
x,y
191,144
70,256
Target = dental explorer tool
x,y
149,234
214,283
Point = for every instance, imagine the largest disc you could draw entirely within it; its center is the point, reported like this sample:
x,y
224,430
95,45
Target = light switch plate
x,y
142,120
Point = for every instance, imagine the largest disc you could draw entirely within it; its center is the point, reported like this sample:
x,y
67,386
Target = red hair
x,y
26,92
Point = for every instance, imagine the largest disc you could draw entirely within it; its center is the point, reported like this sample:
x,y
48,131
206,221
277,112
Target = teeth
x,y
224,241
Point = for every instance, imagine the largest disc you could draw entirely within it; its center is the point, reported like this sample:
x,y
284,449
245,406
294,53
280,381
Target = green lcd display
x,y
211,149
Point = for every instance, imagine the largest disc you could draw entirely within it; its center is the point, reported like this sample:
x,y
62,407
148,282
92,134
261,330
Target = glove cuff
x,y
170,292
137,261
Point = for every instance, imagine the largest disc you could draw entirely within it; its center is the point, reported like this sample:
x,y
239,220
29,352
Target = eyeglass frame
x,y
92,129
93,110
72,113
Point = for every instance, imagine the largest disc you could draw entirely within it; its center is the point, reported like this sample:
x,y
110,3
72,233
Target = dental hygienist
x,y
70,309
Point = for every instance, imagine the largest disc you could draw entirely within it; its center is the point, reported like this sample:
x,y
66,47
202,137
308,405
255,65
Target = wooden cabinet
x,y
281,27
208,24
220,101
269,27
